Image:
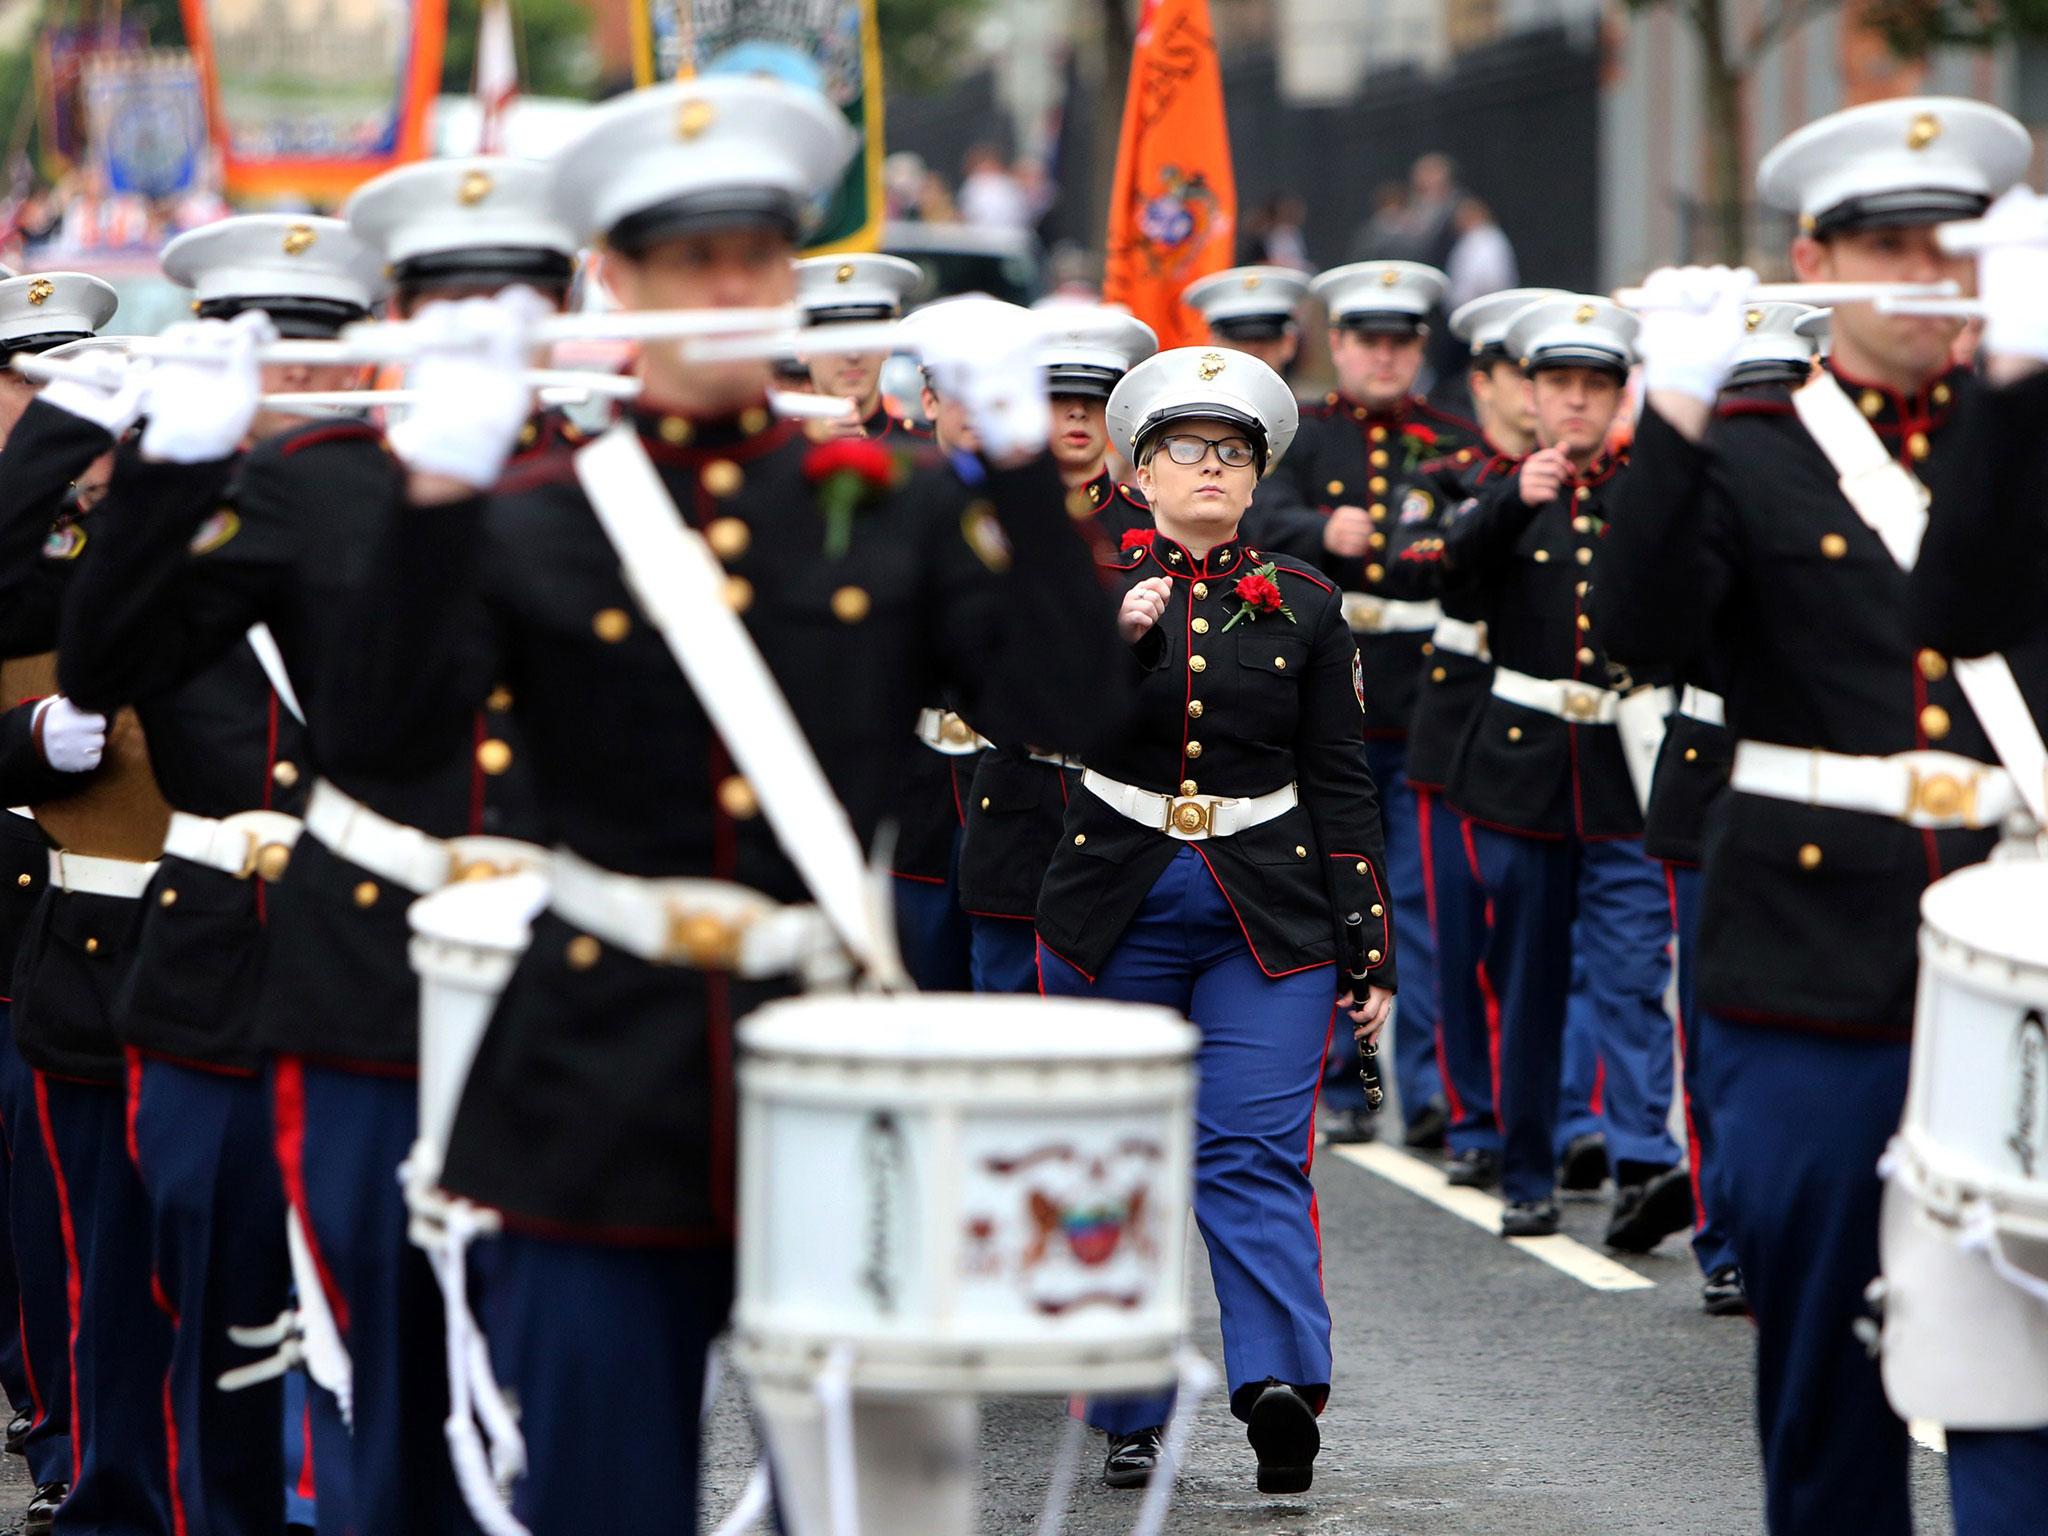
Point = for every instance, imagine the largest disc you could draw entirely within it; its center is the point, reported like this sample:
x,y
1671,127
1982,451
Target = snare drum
x,y
980,1195
1964,1238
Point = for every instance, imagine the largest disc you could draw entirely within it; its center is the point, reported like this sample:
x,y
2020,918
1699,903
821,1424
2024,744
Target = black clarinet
x,y
1355,967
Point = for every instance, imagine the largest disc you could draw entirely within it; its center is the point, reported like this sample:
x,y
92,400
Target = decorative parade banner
x,y
1173,204
313,97
62,53
146,122
831,45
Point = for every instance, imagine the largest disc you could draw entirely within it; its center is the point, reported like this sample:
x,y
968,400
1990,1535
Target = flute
x,y
1819,294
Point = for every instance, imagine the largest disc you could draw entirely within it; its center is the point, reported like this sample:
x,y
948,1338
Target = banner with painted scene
x,y
831,45
309,98
145,119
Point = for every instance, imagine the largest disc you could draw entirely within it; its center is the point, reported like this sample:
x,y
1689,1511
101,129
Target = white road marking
x,y
1483,1210
1929,1434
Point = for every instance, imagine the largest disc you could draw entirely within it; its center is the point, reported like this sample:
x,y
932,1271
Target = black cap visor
x,y
708,212
492,267
1902,208
295,315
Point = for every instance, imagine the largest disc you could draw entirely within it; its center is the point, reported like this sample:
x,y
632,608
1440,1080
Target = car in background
x,y
963,258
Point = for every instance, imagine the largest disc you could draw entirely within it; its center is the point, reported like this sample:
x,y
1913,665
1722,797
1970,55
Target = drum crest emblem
x,y
1072,1227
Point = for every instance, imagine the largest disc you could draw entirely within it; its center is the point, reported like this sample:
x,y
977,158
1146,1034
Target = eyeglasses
x,y
1232,452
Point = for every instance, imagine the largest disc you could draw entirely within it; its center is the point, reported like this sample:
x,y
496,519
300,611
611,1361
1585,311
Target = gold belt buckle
x,y
1943,796
1190,818
703,940
461,870
1580,705
954,730
268,860
1365,613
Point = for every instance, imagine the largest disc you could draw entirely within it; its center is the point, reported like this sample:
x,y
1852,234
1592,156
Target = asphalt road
x,y
1478,1392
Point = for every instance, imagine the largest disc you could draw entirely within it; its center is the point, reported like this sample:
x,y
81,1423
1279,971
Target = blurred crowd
x,y
79,212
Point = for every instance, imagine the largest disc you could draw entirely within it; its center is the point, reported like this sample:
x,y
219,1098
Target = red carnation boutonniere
x,y
848,472
1256,594
1137,538
1419,442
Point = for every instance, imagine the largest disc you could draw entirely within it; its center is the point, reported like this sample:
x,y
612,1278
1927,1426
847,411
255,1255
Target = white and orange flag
x,y
1173,208
497,72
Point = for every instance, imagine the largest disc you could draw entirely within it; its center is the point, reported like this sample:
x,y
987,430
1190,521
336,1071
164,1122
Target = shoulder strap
x,y
264,644
1893,503
680,585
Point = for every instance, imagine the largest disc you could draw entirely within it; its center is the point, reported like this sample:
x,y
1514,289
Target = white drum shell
x,y
981,1195
467,940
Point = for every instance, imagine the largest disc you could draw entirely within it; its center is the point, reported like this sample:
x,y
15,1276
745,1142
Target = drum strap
x,y
680,585
264,644
1893,504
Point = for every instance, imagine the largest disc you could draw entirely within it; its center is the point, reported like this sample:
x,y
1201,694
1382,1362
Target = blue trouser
x,y
120,1336
1416,1076
341,1136
1800,1120
1264,1040
1582,1079
298,1451
932,929
1998,1481
1710,1243
1539,888
1005,954
14,1372
202,1145
579,1332
1467,1019
36,1237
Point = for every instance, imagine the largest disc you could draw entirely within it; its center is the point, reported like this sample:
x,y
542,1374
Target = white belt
x,y
708,925
1191,818
1056,760
1707,708
86,874
1369,615
944,731
247,843
1566,698
389,849
1460,638
1922,789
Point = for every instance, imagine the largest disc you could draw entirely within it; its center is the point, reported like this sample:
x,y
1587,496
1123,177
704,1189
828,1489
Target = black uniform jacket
x,y
1520,769
1450,687
1017,803
194,555
1234,711
1349,455
1744,552
602,1096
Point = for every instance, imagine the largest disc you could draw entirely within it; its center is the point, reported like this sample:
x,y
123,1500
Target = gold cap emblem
x,y
1210,366
1389,277
1253,281
1925,130
475,187
845,272
40,290
1585,314
299,239
693,117
1753,320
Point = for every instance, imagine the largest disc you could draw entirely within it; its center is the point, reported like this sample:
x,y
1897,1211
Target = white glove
x,y
111,399
987,357
1692,328
2012,274
203,393
469,373
72,740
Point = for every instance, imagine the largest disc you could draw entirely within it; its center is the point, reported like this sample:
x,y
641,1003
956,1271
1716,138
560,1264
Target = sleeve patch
x,y
216,531
1417,505
66,542
1358,679
984,535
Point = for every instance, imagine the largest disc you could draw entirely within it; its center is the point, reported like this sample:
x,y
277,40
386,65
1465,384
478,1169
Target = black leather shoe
x,y
1473,1169
1722,1294
42,1508
1426,1131
1583,1168
17,1432
1131,1458
1529,1218
1283,1433
1352,1127
1647,1213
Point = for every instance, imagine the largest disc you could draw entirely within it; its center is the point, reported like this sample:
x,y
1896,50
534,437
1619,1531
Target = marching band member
x,y
1225,859
1018,798
216,544
850,289
598,1116
1331,503
1252,309
1861,772
1554,822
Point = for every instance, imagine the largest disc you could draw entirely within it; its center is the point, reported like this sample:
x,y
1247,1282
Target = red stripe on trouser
x,y
1488,998
28,1365
289,1087
1425,818
1692,1135
157,1293
1308,1163
72,1287
306,1460
1599,1096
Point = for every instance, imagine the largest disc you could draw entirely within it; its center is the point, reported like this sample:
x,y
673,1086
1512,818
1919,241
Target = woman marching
x,y
1226,861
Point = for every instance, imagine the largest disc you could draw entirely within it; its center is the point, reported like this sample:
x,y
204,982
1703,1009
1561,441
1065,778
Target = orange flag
x,y
1173,209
